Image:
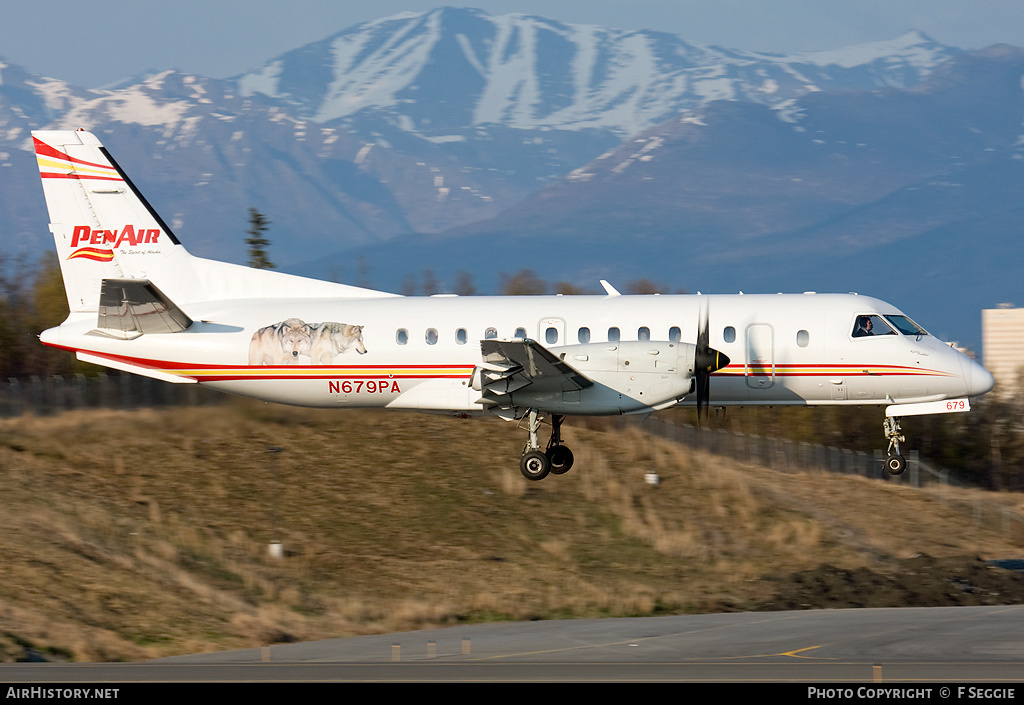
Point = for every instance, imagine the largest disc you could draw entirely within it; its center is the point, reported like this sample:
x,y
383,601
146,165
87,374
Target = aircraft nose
x,y
978,379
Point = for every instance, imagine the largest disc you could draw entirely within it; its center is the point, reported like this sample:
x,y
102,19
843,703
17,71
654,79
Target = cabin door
x,y
760,363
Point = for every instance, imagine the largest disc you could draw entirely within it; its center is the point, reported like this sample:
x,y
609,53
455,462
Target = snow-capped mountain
x,y
897,193
418,122
428,123
451,70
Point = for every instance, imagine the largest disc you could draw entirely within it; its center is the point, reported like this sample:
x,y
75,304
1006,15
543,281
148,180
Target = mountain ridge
x,y
625,81
428,127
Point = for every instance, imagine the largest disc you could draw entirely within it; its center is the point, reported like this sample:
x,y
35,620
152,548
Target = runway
x,y
949,645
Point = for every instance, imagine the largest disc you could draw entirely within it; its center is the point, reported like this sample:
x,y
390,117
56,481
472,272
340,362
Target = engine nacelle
x,y
656,357
640,374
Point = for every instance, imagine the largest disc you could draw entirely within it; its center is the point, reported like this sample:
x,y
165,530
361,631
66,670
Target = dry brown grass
x,y
129,535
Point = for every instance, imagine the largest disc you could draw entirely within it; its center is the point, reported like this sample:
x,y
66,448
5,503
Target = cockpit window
x,y
906,326
871,325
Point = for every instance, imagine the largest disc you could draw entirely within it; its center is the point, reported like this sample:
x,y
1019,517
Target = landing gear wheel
x,y
895,464
534,465
560,458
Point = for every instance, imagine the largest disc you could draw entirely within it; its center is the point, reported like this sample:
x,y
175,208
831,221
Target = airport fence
x,y
789,456
44,396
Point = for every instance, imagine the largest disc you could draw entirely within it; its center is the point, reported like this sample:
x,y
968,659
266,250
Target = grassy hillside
x,y
129,535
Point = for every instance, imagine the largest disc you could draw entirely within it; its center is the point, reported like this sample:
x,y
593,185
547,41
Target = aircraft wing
x,y
512,365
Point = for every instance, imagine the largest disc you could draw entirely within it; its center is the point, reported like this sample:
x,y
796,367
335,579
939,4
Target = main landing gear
x,y
894,462
557,458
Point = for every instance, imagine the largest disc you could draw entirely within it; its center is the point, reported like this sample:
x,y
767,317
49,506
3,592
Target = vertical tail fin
x,y
102,226
105,229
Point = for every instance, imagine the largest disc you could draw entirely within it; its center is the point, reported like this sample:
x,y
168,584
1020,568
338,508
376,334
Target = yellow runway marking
x,y
797,653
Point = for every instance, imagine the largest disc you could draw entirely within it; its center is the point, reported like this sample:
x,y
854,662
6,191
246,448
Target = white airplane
x,y
141,303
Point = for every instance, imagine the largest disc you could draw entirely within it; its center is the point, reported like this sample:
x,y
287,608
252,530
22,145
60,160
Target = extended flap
x,y
537,363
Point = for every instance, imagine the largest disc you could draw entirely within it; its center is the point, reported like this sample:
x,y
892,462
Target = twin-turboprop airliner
x,y
141,303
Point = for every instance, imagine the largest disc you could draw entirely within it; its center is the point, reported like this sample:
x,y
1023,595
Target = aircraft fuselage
x,y
420,352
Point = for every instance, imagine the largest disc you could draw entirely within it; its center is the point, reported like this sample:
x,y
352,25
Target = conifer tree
x,y
257,241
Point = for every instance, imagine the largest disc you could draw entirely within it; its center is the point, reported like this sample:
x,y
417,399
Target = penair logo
x,y
85,240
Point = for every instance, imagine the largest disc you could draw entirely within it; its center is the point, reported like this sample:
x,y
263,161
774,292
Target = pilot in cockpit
x,y
863,327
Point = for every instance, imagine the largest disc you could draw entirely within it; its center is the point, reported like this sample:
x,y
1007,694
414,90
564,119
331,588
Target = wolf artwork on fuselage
x,y
282,343
331,339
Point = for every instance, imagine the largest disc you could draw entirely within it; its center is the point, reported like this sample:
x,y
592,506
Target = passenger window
x,y
729,334
803,338
461,337
870,325
584,335
431,336
401,336
613,335
675,334
491,333
551,335
643,334
520,333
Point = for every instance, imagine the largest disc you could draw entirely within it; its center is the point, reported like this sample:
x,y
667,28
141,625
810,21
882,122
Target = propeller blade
x,y
703,394
706,361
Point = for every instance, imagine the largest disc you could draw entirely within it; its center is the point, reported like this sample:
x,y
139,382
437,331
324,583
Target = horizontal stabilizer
x,y
126,365
132,307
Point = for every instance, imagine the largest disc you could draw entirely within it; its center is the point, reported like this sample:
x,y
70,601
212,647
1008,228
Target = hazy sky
x,y
100,41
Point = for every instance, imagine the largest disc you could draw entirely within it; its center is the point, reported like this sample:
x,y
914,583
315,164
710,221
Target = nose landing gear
x,y
895,463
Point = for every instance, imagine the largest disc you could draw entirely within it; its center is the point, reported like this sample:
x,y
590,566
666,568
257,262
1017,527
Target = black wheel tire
x,y
895,464
560,458
534,465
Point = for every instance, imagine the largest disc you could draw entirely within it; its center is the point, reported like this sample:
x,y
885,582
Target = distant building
x,y
1002,332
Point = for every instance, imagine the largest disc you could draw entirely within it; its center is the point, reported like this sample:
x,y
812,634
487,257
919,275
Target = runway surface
x,y
936,645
